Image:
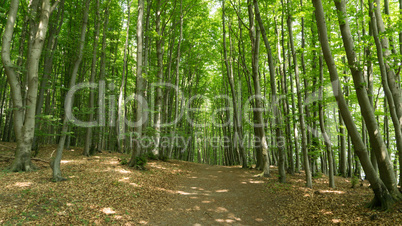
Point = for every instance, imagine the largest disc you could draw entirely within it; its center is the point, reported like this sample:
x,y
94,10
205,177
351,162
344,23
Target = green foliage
x,y
163,158
116,183
277,187
140,162
151,156
317,175
123,161
354,180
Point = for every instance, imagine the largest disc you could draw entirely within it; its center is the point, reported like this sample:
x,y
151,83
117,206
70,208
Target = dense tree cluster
x,y
303,85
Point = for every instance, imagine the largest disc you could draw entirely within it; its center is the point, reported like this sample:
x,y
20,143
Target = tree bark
x,y
51,47
383,159
88,135
322,127
24,117
229,74
55,163
140,86
260,126
158,99
121,124
382,197
383,54
102,72
300,104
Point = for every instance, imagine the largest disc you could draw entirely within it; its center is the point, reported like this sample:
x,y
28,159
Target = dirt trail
x,y
216,195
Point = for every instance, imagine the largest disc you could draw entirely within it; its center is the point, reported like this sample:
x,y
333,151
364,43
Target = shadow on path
x,y
217,195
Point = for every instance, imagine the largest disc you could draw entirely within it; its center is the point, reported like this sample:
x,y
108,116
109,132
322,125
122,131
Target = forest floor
x,y
100,190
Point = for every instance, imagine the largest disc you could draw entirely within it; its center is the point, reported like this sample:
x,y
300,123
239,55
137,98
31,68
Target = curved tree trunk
x,y
382,197
384,163
55,163
383,52
388,93
24,115
274,98
300,104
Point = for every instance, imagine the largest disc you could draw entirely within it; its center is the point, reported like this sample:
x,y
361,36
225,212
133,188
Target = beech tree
x,y
383,196
215,82
24,112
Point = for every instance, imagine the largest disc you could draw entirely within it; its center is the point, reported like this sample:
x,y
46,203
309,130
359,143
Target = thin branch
x,y
234,7
54,6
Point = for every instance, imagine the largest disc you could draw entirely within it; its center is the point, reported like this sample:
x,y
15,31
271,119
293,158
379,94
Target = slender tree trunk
x,y
158,99
121,125
400,37
383,159
382,196
229,74
393,87
102,73
88,136
55,163
274,99
323,131
24,119
300,104
51,47
176,119
255,42
140,86
342,154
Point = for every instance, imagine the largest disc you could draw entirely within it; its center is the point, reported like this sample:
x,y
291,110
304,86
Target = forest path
x,y
217,195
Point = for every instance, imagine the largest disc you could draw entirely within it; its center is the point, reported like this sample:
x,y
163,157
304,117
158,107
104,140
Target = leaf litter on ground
x,y
100,190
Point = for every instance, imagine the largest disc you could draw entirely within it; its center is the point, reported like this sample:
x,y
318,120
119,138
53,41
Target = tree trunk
x,y
383,159
51,47
323,131
158,99
140,86
300,105
121,124
176,114
102,72
24,115
260,126
382,197
274,99
88,135
383,54
55,163
342,152
229,74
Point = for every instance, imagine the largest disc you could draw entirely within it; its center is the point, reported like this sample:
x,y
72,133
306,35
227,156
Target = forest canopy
x,y
304,86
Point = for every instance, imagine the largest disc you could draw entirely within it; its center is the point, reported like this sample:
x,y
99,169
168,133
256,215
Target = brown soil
x,y
214,195
101,191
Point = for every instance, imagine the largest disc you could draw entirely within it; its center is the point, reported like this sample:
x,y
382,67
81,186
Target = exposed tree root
x,y
22,167
383,204
58,178
263,175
